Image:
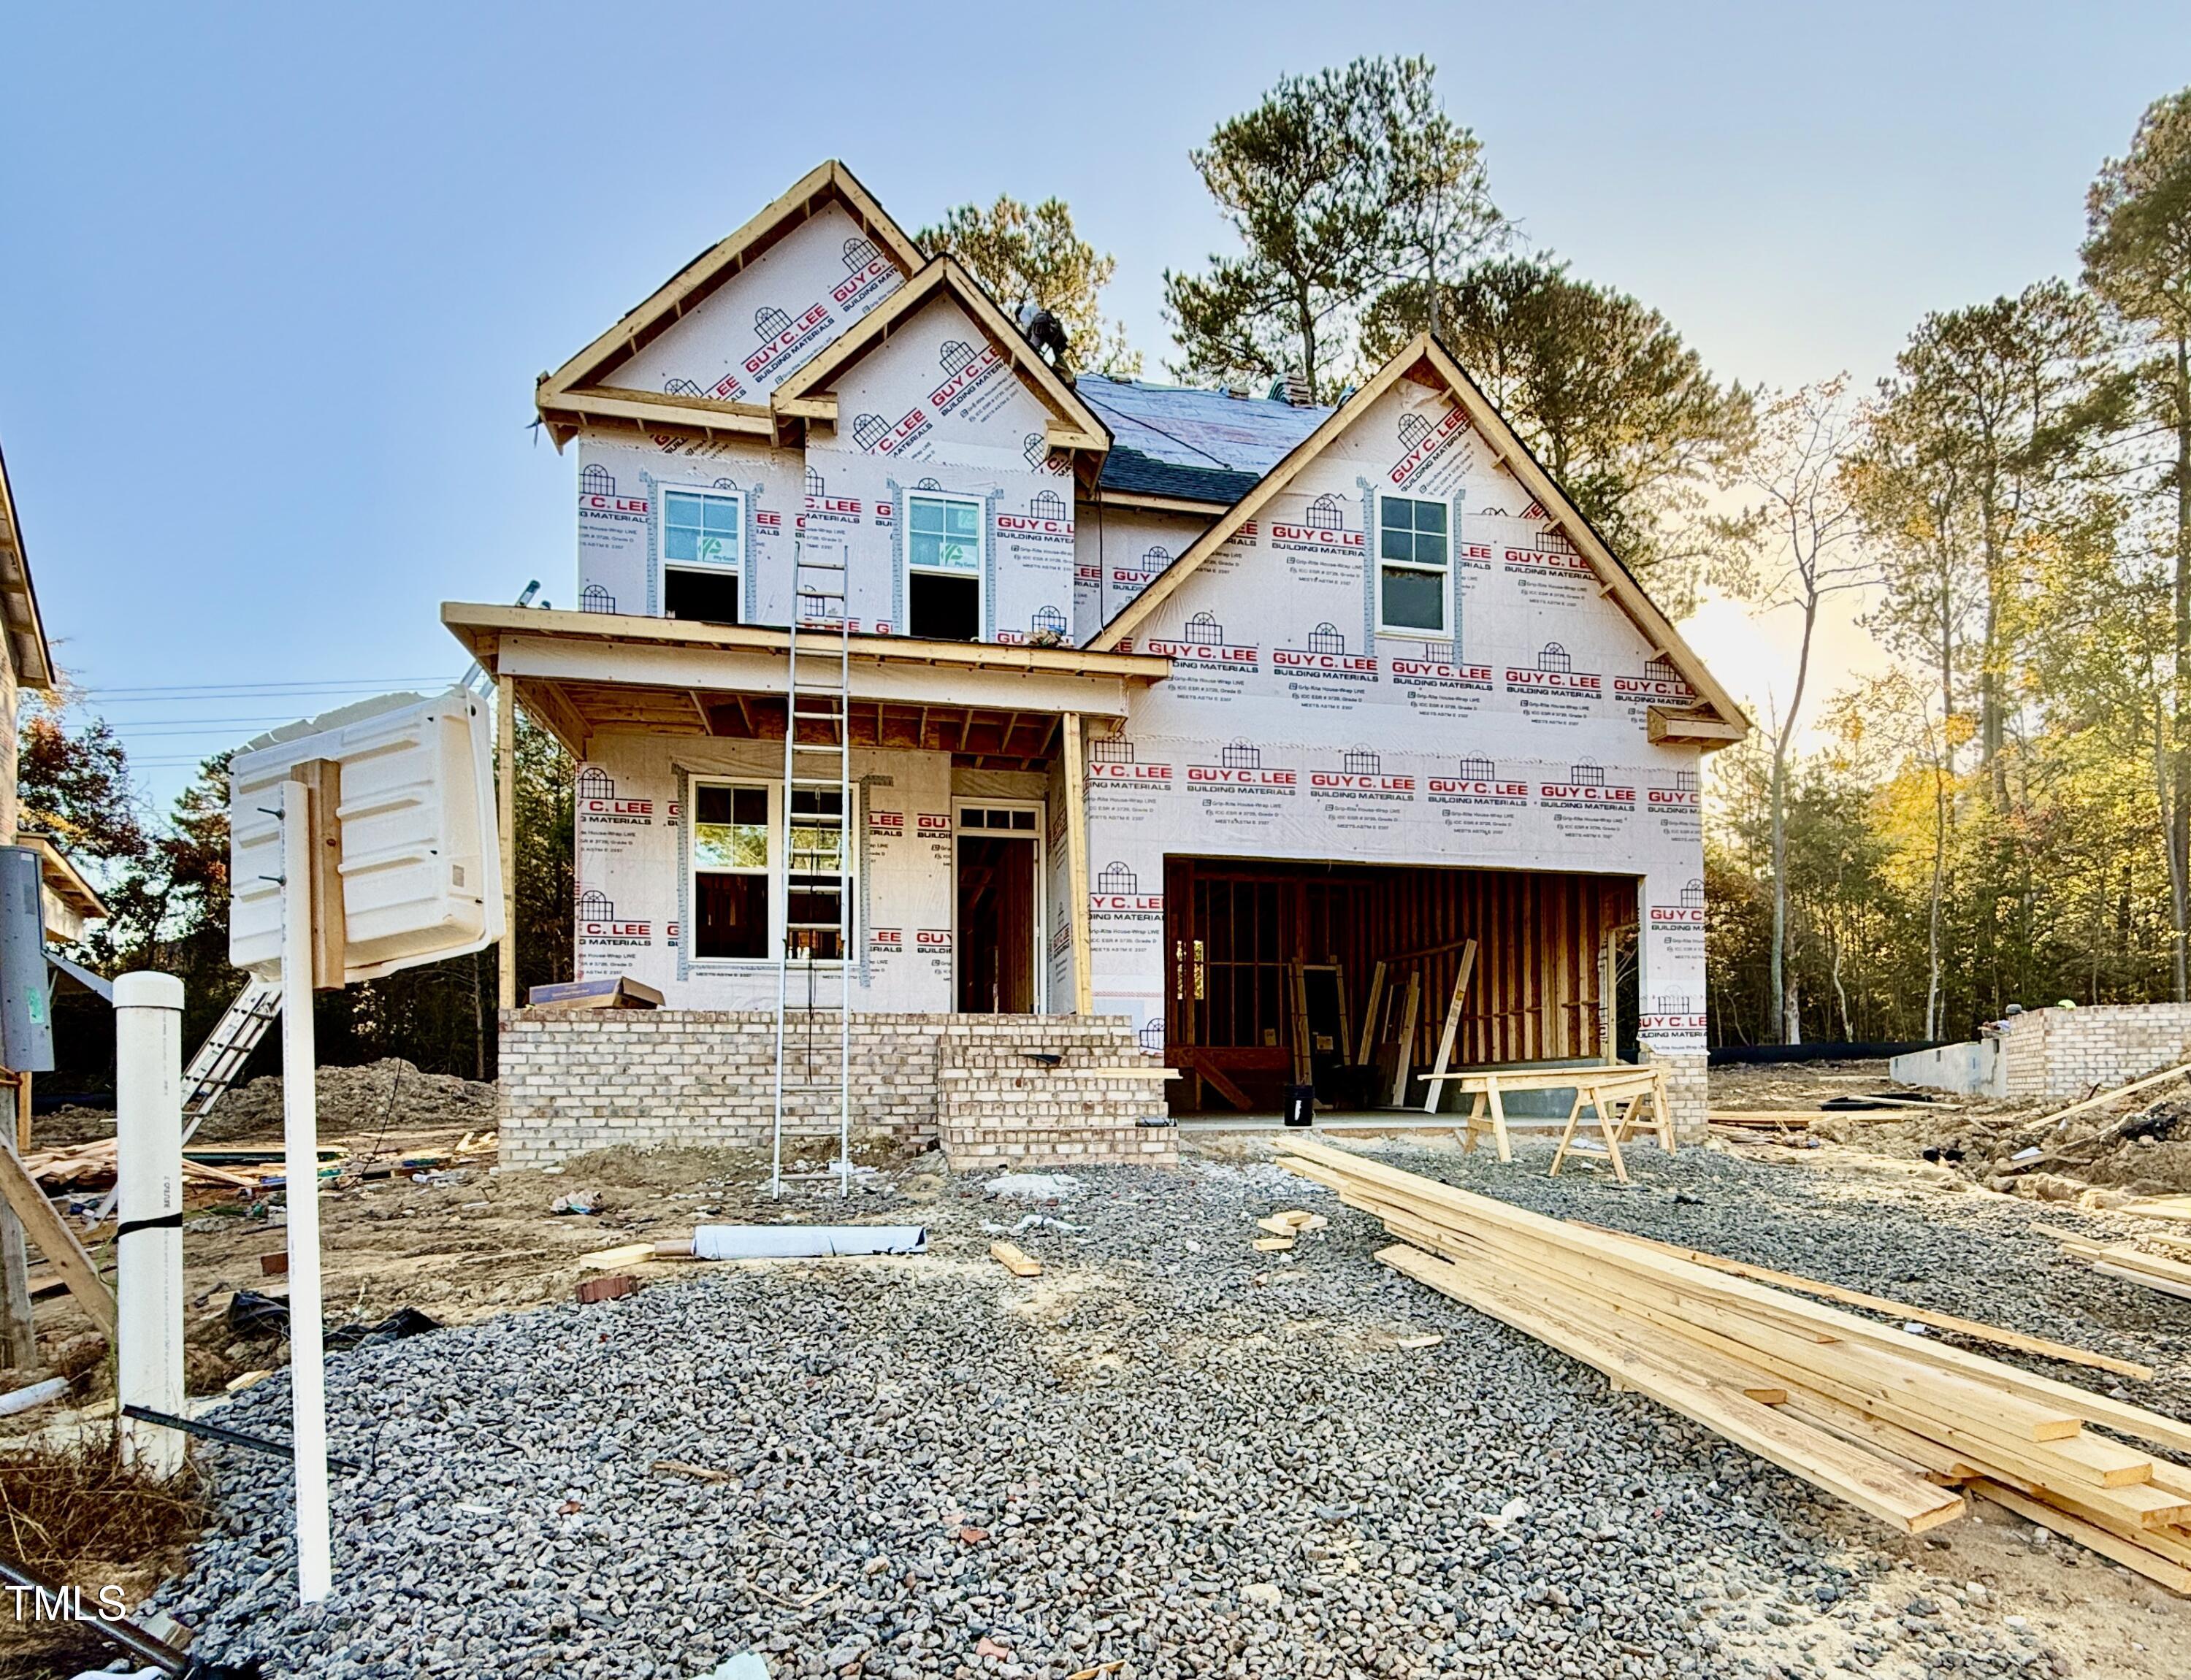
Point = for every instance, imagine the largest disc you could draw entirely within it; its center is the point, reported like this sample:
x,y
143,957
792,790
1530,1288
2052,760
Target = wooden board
x,y
1873,1413
1015,1260
1880,1303
45,1228
1451,1034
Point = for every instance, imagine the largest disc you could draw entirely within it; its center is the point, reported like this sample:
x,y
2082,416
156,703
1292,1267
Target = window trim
x,y
979,572
663,565
779,879
1444,571
1040,838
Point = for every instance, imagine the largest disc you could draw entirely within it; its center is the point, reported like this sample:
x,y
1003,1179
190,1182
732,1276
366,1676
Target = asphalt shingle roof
x,y
1175,440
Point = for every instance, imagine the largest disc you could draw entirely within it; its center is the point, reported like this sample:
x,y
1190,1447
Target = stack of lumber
x,y
72,1163
1892,1422
94,1164
1766,1123
2132,1265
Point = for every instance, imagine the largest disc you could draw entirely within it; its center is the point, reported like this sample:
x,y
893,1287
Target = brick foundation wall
x,y
1686,1094
997,1108
2064,1052
573,1081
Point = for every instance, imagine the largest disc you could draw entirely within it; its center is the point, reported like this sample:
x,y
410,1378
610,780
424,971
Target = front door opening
x,y
996,916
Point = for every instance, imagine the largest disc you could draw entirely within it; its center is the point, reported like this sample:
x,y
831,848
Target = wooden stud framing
x,y
505,827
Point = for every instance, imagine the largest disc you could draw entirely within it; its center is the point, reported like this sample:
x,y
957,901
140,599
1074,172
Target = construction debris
x,y
1015,1260
613,1287
803,1242
1889,1422
697,1473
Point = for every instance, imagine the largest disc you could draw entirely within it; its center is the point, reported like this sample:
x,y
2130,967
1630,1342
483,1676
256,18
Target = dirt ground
x,y
2102,1157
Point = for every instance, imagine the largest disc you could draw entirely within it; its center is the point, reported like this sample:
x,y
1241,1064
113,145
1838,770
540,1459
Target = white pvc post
x,y
148,1112
300,1137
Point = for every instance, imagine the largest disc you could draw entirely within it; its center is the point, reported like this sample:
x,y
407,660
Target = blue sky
x,y
277,281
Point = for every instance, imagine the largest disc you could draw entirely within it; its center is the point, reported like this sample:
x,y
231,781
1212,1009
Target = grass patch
x,y
67,1511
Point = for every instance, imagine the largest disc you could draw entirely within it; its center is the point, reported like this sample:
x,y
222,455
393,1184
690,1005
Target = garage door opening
x,y
1342,976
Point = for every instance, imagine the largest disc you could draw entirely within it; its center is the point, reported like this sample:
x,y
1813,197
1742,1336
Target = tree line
x,y
2002,815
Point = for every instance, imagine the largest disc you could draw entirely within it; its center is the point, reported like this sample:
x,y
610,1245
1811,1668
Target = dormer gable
x,y
971,337
707,349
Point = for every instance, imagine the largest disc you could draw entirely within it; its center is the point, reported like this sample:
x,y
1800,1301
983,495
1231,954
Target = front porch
x,y
666,716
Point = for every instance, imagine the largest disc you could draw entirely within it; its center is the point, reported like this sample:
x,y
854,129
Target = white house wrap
x,y
1350,688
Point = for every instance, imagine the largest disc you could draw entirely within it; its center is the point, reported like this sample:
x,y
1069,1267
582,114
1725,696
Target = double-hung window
x,y
738,914
730,872
818,897
943,567
1413,558
702,554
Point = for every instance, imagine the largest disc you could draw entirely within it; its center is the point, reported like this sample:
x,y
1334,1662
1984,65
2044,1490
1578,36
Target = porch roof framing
x,y
991,706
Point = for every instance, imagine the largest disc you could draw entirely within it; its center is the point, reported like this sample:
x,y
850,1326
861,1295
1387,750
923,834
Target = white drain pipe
x,y
148,1105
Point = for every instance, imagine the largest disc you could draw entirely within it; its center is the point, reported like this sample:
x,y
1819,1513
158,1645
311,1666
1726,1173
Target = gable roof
x,y
805,395
1722,720
19,602
574,391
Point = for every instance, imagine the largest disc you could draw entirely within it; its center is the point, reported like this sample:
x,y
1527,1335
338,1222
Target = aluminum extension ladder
x,y
226,1048
219,1059
817,834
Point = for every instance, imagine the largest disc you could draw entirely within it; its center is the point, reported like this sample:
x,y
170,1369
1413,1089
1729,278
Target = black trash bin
x,y
1300,1105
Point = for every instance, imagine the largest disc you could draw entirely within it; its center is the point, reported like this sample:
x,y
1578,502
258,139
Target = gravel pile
x,y
1168,1450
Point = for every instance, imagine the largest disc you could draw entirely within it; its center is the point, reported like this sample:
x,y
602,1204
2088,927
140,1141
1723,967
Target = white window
x,y
818,897
702,554
749,900
943,567
730,874
1412,556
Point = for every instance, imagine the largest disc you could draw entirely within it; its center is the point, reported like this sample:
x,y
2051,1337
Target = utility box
x,y
26,1016
419,868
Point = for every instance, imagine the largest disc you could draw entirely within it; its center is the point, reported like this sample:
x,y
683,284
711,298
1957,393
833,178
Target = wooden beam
x,y
1076,862
1451,1036
323,779
1664,726
43,1225
505,824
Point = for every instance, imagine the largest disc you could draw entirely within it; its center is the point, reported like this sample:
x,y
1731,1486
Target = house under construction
x,y
967,745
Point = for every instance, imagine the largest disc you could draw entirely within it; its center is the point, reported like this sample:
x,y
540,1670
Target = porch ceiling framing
x,y
991,707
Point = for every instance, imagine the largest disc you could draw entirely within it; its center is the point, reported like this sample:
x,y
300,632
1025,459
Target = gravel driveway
x,y
1168,1450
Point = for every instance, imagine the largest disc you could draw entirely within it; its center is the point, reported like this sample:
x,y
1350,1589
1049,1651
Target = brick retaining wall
x,y
2065,1053
573,1081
